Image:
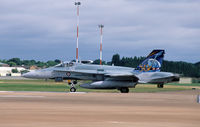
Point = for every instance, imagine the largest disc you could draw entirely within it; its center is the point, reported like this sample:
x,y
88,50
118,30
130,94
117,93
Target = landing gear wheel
x,y
124,90
73,89
72,84
75,82
160,85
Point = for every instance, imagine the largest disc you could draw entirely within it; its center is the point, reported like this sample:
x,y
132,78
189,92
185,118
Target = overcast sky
x,y
46,29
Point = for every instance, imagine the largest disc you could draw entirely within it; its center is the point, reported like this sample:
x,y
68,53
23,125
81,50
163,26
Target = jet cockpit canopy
x,y
65,64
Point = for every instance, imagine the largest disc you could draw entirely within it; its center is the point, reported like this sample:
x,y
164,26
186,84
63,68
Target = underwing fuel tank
x,y
108,85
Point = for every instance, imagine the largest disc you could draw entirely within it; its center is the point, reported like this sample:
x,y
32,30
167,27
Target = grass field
x,y
50,85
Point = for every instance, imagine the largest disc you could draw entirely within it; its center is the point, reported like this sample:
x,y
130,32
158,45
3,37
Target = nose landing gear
x,y
72,89
72,84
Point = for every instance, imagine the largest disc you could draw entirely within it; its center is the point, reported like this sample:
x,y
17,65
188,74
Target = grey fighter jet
x,y
109,77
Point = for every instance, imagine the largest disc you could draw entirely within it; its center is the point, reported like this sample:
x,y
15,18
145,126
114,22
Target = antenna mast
x,y
77,4
101,32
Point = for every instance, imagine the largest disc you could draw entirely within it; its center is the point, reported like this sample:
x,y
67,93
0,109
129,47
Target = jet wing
x,y
121,77
165,80
108,76
80,74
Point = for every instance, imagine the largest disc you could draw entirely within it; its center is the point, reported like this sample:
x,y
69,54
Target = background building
x,y
185,80
11,71
4,65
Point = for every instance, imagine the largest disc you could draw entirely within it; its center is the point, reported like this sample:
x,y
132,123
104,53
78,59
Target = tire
x,y
75,82
124,90
160,85
73,89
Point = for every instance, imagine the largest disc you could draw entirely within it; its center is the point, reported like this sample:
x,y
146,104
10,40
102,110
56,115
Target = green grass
x,y
177,84
50,85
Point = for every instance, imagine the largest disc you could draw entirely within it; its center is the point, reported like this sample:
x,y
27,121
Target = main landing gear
x,y
160,85
72,84
124,89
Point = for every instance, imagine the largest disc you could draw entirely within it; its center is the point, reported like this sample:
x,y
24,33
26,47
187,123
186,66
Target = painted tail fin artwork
x,y
153,62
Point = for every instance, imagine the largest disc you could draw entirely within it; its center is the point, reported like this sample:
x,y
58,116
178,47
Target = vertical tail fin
x,y
152,62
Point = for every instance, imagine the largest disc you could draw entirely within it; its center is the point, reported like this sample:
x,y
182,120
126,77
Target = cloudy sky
x,y
46,29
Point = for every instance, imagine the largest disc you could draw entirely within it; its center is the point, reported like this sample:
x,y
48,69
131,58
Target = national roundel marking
x,y
68,74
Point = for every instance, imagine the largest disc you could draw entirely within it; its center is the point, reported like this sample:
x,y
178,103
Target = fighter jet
x,y
109,77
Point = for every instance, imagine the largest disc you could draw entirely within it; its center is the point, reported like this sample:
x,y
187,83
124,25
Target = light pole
x,y
77,4
101,32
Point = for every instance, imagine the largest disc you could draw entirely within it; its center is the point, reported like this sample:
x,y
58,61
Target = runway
x,y
54,109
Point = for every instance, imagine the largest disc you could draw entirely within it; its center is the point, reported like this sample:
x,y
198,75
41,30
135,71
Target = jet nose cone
x,y
27,75
38,74
87,86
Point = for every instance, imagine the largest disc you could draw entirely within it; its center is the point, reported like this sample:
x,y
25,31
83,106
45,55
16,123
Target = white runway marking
x,y
76,92
6,91
116,122
21,96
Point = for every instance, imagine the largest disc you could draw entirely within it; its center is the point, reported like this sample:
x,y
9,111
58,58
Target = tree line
x,y
17,62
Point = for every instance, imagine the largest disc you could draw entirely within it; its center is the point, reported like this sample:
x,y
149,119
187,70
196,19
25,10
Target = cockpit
x,y
65,64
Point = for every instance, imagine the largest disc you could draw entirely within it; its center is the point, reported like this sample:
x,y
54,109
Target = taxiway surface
x,y
46,109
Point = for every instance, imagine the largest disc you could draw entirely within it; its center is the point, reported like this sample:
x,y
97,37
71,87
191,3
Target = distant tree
x,y
32,62
109,63
15,71
28,62
24,71
97,61
183,68
197,64
57,61
116,59
11,64
25,62
15,60
4,61
51,63
40,64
